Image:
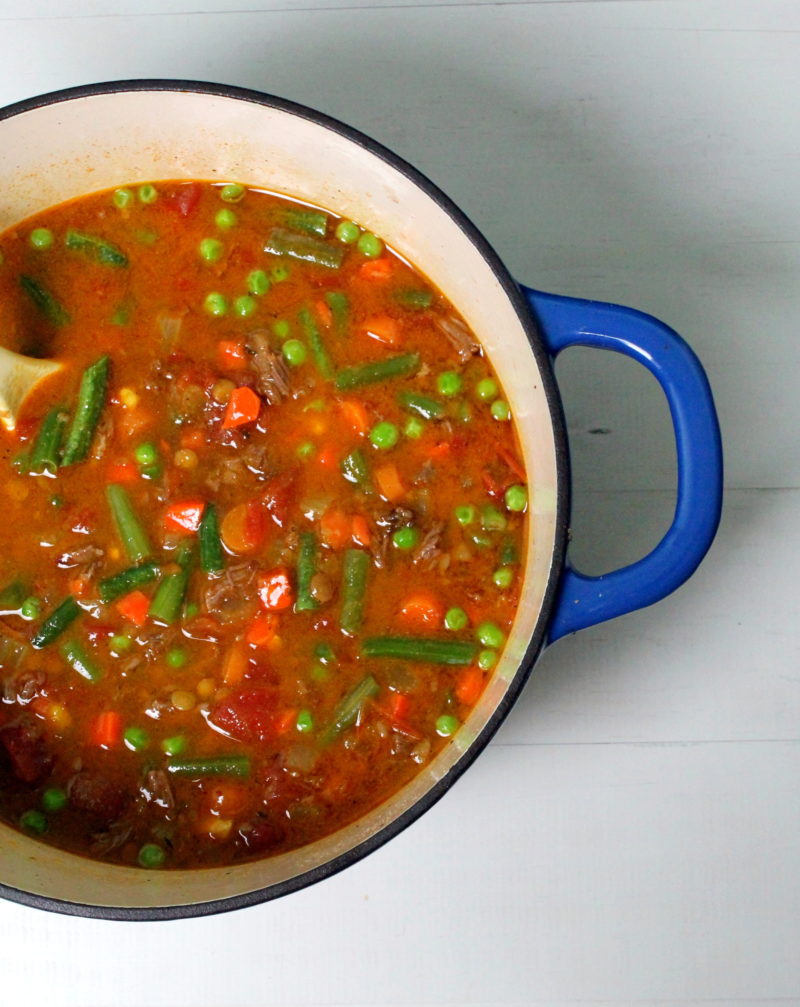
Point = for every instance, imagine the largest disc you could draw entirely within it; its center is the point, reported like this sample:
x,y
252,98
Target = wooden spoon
x,y
18,377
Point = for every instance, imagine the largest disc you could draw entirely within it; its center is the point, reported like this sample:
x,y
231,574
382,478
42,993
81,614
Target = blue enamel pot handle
x,y
585,601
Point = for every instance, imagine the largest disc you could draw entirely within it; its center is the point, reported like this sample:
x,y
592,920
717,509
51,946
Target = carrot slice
x,y
185,515
389,483
243,528
262,631
243,407
235,664
275,589
383,328
469,686
360,531
134,607
355,414
107,729
324,313
423,609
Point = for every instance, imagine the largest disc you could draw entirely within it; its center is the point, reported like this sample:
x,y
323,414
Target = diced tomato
x,y
107,729
246,715
134,607
184,199
185,515
284,721
122,472
275,589
243,407
355,414
263,630
383,328
232,355
278,496
377,269
328,457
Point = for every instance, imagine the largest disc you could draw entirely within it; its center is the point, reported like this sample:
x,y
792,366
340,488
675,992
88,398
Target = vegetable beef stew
x,y
262,535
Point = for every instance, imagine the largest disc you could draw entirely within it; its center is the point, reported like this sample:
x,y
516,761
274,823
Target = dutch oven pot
x,y
72,142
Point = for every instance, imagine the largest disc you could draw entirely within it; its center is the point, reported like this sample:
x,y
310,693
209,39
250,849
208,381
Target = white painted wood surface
x,y
632,836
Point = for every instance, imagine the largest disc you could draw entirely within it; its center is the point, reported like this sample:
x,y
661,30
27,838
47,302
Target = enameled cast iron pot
x,y
77,141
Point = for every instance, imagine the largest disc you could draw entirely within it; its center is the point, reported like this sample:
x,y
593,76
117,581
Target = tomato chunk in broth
x,y
262,534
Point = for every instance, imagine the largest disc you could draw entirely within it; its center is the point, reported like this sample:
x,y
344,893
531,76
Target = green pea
x,y
325,653
258,282
177,657
319,673
122,198
215,304
414,428
279,273
41,237
136,738
384,435
211,249
294,352
500,411
225,219
447,725
281,328
151,856
56,500
516,498
147,193
121,643
244,306
490,635
33,821
174,745
316,406
370,245
347,232
305,721
456,619
232,192
487,389
146,453
464,412
503,577
487,659
492,519
465,514
54,799
449,383
305,450
405,538
31,609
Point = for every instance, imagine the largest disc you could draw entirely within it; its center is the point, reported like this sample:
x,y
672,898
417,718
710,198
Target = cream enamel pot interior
x,y
72,142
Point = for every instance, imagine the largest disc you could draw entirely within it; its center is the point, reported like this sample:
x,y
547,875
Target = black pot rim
x,y
538,637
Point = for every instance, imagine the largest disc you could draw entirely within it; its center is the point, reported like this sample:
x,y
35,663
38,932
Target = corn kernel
x,y
186,459
128,398
181,699
205,688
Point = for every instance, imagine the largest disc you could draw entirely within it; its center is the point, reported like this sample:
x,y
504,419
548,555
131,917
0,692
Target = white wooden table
x,y
632,836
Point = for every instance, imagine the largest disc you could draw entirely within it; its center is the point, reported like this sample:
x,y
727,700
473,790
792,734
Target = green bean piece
x,y
315,341
96,248
354,467
340,308
171,592
12,596
55,624
509,553
47,304
212,557
310,221
380,370
306,568
212,765
47,447
123,312
349,709
91,399
416,300
126,581
304,247
129,528
421,405
354,589
427,649
77,657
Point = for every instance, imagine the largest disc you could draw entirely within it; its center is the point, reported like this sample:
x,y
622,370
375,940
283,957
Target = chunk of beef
x,y
26,748
272,375
96,796
459,337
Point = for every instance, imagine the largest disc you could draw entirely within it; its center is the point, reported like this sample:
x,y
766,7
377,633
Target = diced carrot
x,y
193,438
235,664
361,531
327,457
243,407
232,354
439,450
324,313
284,721
134,607
275,589
355,414
377,269
122,472
513,463
383,328
107,729
335,528
184,515
398,705
262,630
79,586
469,686
423,609
389,483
